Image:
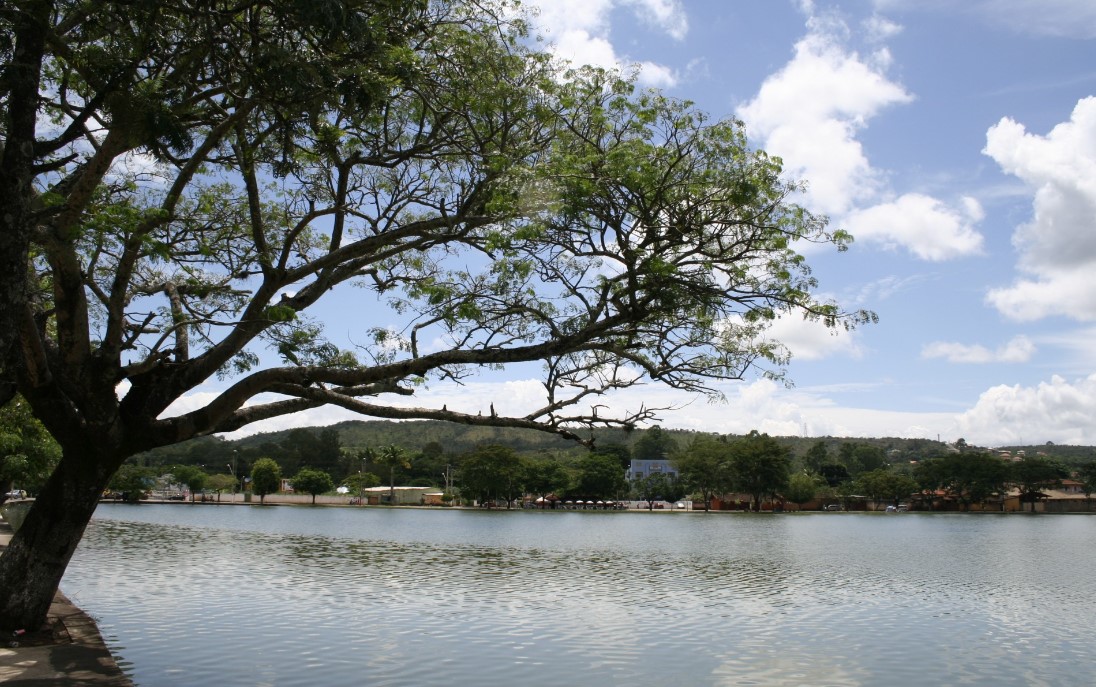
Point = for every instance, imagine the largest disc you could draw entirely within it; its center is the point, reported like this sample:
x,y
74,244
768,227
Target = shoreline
x,y
69,650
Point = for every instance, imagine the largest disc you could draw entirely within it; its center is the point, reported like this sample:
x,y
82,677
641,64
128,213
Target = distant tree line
x,y
763,468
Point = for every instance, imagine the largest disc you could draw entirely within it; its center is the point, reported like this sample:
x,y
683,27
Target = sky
x,y
956,141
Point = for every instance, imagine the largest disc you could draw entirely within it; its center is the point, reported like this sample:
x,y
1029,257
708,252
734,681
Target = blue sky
x,y
955,140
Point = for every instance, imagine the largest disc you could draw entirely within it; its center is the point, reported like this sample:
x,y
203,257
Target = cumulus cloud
x,y
809,340
579,32
810,111
923,225
1057,248
1018,350
1057,411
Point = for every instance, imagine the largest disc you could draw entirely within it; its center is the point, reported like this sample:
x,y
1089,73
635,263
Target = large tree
x,y
598,476
705,467
266,478
654,444
182,182
969,477
391,457
759,466
1031,474
884,484
491,472
312,481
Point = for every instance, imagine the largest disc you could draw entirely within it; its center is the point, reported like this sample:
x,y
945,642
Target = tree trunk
x,y
32,565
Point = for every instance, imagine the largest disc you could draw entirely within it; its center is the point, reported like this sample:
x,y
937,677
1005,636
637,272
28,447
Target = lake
x,y
236,595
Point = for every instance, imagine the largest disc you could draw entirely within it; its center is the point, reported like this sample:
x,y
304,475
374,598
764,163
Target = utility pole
x,y
361,480
232,468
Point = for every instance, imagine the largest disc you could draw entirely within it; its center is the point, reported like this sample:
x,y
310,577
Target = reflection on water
x,y
291,596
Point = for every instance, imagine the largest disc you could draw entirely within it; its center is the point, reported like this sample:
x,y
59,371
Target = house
x,y
644,468
399,496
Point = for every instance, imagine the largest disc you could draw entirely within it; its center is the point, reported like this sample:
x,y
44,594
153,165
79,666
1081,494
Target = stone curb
x,y
77,654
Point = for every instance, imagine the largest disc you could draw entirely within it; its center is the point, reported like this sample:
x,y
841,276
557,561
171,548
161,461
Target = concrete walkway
x,y
69,652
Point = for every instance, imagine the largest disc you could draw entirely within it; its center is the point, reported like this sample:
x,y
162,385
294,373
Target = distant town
x,y
443,465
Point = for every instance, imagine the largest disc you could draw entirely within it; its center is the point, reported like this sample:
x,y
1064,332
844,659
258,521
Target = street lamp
x,y
361,481
232,468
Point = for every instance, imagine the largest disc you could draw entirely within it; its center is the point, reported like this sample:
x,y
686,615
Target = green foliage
x,y
313,482
801,488
598,477
705,467
817,456
759,466
132,481
357,481
194,478
27,451
883,484
657,486
654,444
622,453
545,477
491,473
859,457
835,474
970,477
390,458
306,148
221,483
266,478
1086,473
1031,474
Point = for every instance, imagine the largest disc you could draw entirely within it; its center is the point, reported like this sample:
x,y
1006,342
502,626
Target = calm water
x,y
340,596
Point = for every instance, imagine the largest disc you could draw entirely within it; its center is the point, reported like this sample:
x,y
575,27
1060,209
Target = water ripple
x,y
286,596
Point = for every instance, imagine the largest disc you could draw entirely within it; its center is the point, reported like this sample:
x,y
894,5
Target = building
x,y
645,468
401,496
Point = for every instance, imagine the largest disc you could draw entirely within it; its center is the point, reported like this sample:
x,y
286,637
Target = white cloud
x,y
923,225
1055,411
882,289
810,111
1018,350
667,15
1057,248
809,340
879,28
579,32
655,75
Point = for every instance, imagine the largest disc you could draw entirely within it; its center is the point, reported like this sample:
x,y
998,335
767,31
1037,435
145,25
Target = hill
x,y
455,439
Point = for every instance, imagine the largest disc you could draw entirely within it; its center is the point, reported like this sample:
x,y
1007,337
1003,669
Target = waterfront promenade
x,y
69,651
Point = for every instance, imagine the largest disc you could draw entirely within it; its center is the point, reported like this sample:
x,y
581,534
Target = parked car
x,y
833,506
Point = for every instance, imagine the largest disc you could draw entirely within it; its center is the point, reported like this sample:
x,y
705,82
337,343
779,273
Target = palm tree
x,y
392,456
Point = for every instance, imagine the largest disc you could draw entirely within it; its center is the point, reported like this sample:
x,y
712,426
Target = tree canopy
x,y
759,466
27,452
183,182
312,481
491,472
266,478
705,467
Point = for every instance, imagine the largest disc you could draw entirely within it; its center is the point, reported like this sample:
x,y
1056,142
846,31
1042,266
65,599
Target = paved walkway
x,y
70,652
